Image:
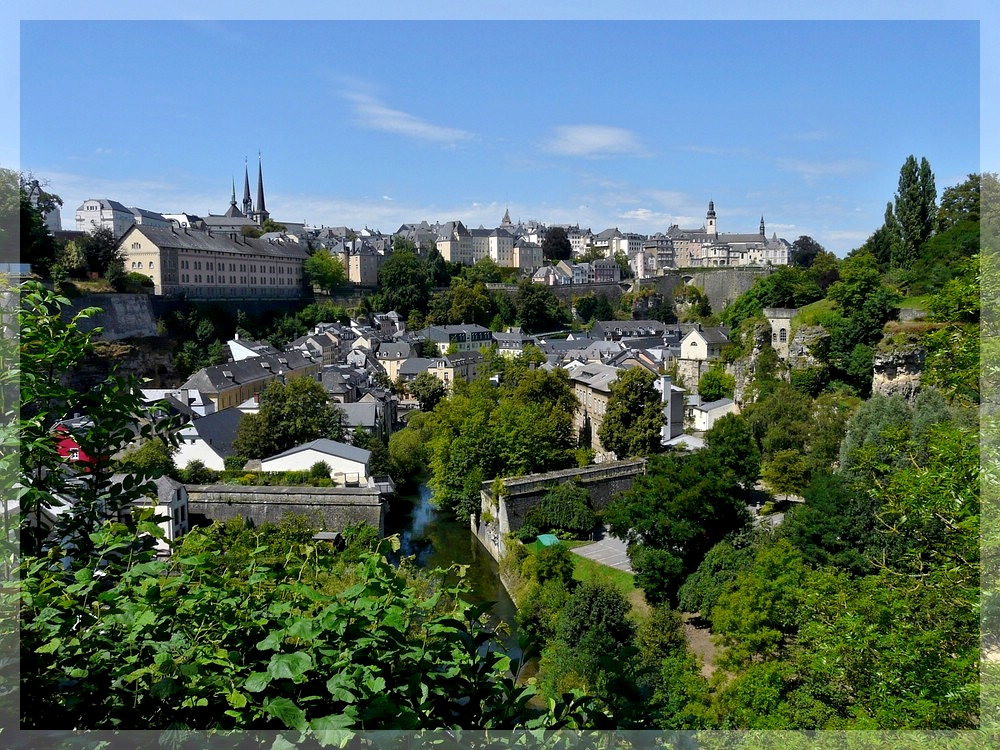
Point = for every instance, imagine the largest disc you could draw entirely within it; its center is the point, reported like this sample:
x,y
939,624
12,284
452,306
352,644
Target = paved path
x,y
609,550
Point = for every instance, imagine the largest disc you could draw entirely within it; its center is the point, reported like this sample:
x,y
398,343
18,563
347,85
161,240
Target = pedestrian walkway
x,y
608,550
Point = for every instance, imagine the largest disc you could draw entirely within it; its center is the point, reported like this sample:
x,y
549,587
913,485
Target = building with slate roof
x,y
591,382
465,337
513,342
707,247
348,465
230,384
615,330
463,366
704,343
454,242
208,265
97,213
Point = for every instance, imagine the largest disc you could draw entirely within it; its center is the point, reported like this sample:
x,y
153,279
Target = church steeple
x,y
710,227
233,210
505,221
247,203
260,215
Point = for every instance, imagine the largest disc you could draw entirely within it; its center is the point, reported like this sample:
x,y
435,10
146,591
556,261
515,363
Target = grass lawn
x,y
807,315
919,303
588,570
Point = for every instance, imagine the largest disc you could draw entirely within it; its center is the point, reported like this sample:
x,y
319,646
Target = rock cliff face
x,y
807,342
149,359
897,369
744,368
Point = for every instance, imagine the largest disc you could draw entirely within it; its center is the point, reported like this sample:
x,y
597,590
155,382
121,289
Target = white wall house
x,y
348,465
703,343
95,213
703,416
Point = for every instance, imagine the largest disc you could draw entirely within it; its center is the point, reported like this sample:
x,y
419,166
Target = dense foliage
x,y
290,414
484,431
633,418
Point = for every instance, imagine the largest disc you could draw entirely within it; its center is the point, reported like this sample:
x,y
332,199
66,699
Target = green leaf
x,y
236,699
288,713
50,647
338,686
273,641
289,665
257,682
333,730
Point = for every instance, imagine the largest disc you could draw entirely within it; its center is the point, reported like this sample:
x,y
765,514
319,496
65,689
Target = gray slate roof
x,y
195,239
330,447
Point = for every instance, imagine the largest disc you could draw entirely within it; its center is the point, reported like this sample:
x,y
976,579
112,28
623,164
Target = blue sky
x,y
603,122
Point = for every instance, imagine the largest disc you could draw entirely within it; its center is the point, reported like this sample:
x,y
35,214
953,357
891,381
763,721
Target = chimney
x,y
665,398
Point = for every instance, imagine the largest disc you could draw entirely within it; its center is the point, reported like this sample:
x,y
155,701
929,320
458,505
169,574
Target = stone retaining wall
x,y
332,508
500,515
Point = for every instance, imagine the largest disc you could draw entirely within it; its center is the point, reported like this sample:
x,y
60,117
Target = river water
x,y
436,540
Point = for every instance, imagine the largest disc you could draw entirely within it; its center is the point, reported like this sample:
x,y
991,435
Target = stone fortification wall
x,y
122,316
333,508
500,515
568,292
721,285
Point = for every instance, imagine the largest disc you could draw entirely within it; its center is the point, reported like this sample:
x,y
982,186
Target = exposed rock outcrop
x,y
897,368
744,368
806,344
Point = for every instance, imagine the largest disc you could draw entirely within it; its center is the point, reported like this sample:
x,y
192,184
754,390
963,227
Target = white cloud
x,y
594,140
372,113
814,170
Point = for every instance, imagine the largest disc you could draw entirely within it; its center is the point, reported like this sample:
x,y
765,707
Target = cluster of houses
x,y
213,256
356,363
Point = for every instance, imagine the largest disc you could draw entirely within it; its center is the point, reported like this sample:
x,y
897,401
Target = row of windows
x,y
209,266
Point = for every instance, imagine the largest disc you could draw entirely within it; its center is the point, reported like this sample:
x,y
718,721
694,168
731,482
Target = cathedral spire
x,y
247,203
762,233
260,190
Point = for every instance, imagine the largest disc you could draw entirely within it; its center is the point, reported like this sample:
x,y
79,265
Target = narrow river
x,y
438,541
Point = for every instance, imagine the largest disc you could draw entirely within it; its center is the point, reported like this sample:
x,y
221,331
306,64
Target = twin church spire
x,y
260,214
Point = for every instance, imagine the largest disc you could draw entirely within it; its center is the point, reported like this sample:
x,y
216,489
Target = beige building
x,y
780,319
208,265
592,387
702,343
449,368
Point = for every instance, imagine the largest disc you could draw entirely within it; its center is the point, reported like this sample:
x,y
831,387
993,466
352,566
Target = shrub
x,y
320,470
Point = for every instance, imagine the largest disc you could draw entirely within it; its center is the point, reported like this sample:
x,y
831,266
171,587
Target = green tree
x,y
634,415
404,283
101,250
428,390
556,245
538,308
289,415
592,307
154,457
732,441
915,210
672,515
716,384
805,250
563,509
786,472
325,271
959,203
52,344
